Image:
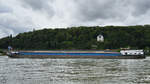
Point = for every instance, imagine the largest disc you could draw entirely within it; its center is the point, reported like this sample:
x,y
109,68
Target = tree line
x,y
85,38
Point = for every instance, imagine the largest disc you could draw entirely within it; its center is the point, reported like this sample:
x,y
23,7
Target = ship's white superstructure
x,y
132,52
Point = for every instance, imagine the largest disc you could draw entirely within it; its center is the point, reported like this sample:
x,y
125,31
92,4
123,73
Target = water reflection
x,y
74,71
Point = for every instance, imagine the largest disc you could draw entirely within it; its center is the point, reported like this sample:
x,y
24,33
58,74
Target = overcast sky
x,y
25,15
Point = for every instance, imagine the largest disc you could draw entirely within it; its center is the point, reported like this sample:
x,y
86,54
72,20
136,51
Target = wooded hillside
x,y
81,38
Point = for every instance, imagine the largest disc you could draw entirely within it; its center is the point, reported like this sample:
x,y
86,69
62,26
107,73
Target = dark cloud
x,y
40,5
140,7
22,15
89,10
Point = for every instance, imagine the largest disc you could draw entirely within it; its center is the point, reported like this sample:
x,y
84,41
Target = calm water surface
x,y
74,71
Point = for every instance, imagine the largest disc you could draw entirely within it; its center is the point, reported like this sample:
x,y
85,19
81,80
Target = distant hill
x,y
81,38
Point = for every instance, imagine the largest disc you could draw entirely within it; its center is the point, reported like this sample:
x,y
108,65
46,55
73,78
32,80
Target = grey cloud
x,y
12,26
140,7
5,9
65,13
40,5
89,10
36,4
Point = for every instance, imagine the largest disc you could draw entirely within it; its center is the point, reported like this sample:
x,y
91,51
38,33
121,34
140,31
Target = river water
x,y
74,71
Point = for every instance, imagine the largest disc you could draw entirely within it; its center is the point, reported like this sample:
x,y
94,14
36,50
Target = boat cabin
x,y
132,52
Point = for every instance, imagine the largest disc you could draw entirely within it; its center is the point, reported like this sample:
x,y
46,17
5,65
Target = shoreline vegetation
x,y
2,52
81,38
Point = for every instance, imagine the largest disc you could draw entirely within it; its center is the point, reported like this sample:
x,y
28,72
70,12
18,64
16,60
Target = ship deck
x,y
73,54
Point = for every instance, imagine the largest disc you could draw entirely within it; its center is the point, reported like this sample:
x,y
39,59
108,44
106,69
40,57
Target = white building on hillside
x,y
100,38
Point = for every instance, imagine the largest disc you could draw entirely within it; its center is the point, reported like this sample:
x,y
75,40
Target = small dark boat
x,y
124,54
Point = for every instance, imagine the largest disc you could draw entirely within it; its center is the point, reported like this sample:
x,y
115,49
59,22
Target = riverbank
x,y
3,52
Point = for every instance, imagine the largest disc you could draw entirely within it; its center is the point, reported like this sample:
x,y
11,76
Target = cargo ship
x,y
123,54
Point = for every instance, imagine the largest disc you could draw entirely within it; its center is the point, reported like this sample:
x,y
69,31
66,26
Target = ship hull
x,y
76,55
